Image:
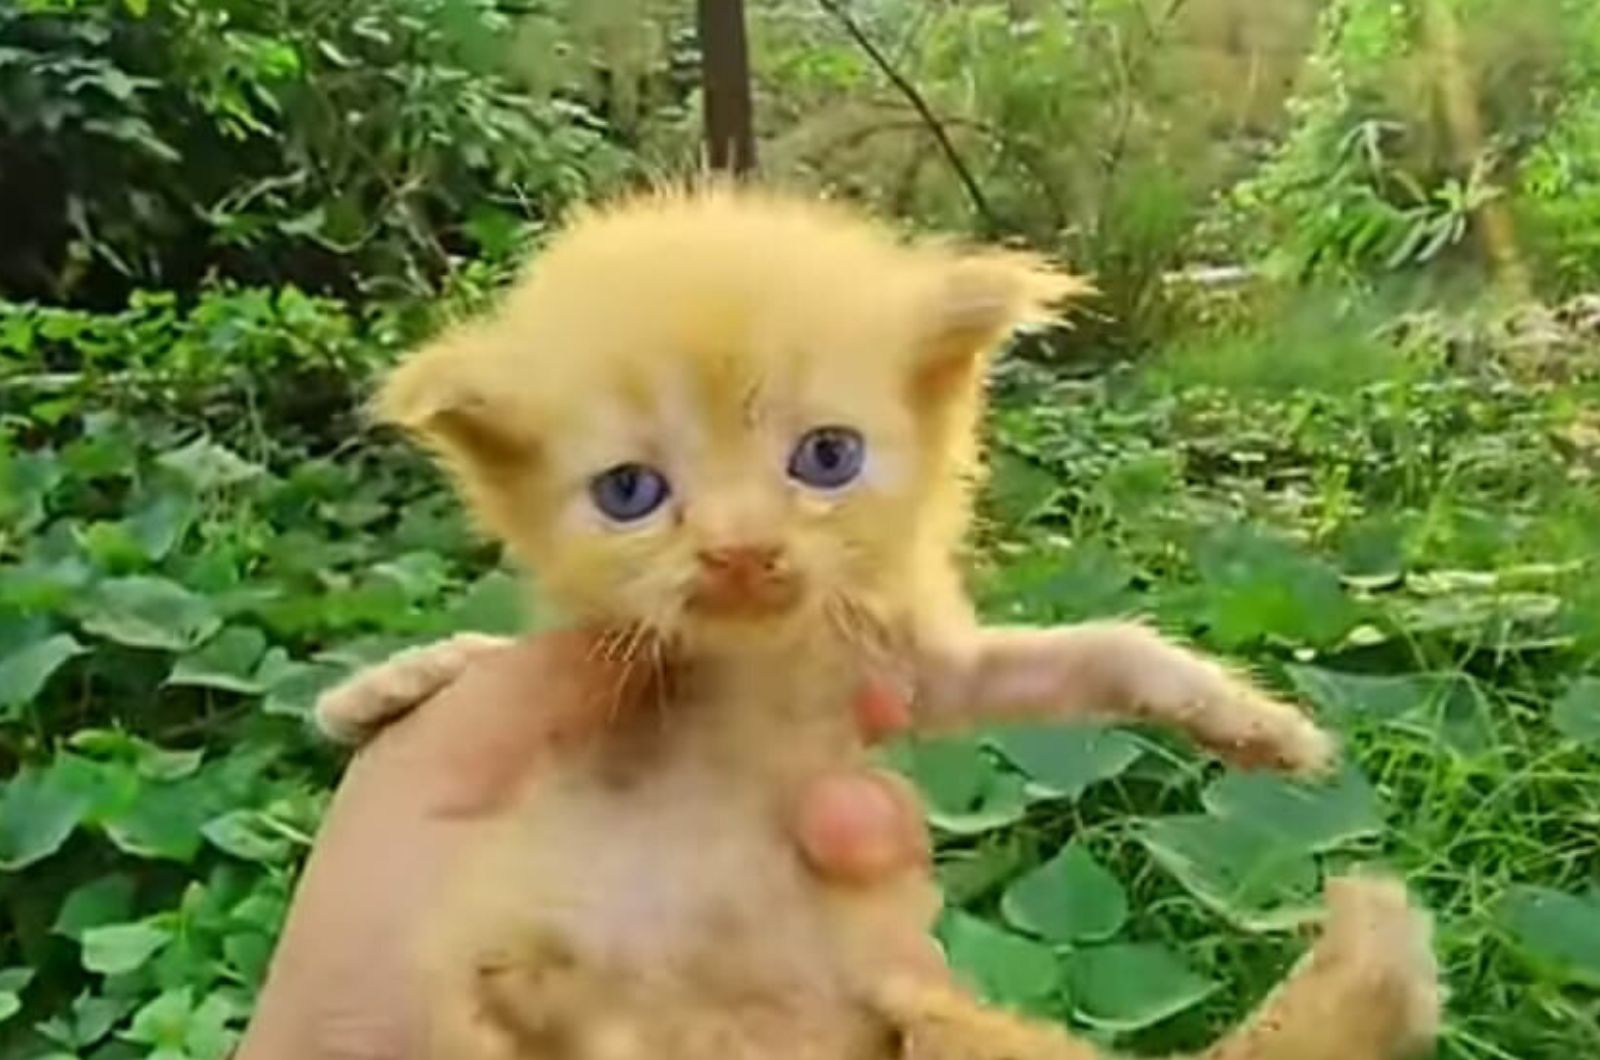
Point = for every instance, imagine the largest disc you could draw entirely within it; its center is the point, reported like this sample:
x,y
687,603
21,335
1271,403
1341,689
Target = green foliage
x,y
1381,171
348,148
232,210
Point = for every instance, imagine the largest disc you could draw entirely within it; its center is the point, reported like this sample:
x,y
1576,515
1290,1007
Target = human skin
x,y
343,985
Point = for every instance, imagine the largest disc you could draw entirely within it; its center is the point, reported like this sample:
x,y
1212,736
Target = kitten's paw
x,y
1367,990
937,1022
1255,731
355,709
1377,949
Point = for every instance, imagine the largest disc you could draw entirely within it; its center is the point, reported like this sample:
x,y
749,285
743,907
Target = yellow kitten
x,y
740,430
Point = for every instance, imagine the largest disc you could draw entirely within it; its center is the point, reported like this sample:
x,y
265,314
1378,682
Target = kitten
x,y
739,431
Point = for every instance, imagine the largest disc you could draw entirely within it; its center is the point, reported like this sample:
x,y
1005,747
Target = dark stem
x,y
725,77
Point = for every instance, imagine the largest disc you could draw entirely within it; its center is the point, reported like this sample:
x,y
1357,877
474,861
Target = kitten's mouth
x,y
746,598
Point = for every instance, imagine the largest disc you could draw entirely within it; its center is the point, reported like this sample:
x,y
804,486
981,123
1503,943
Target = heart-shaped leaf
x,y
1452,708
116,949
1064,759
1558,933
1005,968
227,661
1312,816
1069,898
25,669
952,772
12,982
1576,714
1003,802
164,819
38,810
1344,699
293,687
1259,587
149,612
1129,986
107,900
244,834
164,1022
158,525
1250,876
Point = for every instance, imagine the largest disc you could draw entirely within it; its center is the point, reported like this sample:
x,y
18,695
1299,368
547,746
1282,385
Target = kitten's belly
x,y
690,921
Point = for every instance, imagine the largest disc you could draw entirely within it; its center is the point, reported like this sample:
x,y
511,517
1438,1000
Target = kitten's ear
x,y
446,396
976,302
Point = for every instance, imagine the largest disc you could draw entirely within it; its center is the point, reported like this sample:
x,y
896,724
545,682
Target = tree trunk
x,y
725,77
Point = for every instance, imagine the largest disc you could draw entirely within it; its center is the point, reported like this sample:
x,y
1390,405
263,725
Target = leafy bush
x,y
348,148
1415,121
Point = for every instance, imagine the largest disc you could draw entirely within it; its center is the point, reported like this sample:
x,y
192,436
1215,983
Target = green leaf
x,y
1576,714
1129,986
164,1022
294,687
12,982
1062,760
92,1018
952,772
227,661
494,604
1070,898
159,524
244,834
120,948
1019,490
248,953
1252,877
1261,588
1004,801
1004,967
149,612
38,811
208,1036
164,820
1558,933
107,900
205,465
1448,707
1311,816
24,670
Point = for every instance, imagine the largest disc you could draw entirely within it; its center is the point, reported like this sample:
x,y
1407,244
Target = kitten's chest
x,y
675,830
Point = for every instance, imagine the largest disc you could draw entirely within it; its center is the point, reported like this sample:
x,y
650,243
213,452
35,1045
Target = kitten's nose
x,y
741,562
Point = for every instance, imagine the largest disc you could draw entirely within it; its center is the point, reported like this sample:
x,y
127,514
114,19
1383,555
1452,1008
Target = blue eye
x,y
628,492
828,457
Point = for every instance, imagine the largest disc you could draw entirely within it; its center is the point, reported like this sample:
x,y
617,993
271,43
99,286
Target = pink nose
x,y
741,562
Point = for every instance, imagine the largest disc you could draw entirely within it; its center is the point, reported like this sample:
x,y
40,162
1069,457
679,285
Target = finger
x,y
861,827
882,710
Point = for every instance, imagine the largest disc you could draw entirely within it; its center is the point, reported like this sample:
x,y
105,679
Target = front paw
x,y
1375,959
352,711
1259,732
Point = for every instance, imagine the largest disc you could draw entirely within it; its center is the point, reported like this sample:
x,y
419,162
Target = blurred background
x,y
1335,413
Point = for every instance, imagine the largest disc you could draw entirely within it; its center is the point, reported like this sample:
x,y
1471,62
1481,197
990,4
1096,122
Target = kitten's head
x,y
711,412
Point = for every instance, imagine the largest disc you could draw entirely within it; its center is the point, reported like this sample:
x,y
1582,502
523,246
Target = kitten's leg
x,y
940,1022
353,710
1118,671
1367,990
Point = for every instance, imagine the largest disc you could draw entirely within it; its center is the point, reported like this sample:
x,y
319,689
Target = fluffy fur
x,y
644,901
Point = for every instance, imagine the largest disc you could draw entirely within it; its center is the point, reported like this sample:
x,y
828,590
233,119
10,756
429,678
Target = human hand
x,y
342,985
